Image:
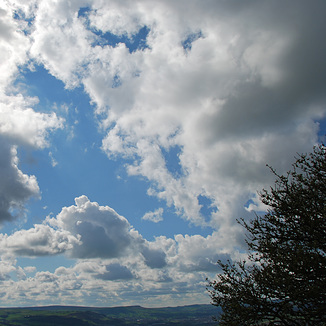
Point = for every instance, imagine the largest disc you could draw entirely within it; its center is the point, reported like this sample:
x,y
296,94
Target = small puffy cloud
x,y
30,269
54,162
155,216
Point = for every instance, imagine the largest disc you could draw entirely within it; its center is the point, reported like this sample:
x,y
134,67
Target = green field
x,y
87,316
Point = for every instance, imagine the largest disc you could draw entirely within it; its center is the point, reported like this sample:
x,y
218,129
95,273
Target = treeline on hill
x,y
87,316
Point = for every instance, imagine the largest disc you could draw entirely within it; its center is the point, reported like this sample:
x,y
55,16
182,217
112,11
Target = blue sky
x,y
133,135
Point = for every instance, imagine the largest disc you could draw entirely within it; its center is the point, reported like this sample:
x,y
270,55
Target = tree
x,y
283,281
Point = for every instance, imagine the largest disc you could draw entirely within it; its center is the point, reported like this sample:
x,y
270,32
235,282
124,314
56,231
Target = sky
x,y
133,135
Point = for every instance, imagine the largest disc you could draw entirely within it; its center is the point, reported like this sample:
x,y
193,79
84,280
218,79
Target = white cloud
x,y
85,231
114,17
232,99
150,273
6,268
111,285
155,216
245,91
112,257
13,46
54,162
41,240
30,269
20,125
197,253
224,102
60,41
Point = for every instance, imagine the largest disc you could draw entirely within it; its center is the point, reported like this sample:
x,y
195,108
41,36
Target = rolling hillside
x,y
90,316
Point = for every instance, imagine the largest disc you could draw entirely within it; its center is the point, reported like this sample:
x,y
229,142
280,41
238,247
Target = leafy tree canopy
x,y
283,282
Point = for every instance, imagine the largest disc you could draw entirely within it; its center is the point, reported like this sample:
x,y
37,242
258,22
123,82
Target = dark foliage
x,y
284,280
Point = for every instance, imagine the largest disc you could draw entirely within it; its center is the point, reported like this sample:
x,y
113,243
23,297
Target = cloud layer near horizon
x,y
108,250
223,87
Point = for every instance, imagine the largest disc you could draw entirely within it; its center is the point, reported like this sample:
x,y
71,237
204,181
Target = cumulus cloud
x,y
114,284
222,83
102,231
16,187
226,94
85,231
115,272
197,253
154,258
20,125
41,240
57,27
13,46
230,86
6,268
112,257
90,231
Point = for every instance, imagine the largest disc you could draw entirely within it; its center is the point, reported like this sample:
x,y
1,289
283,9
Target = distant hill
x,y
93,316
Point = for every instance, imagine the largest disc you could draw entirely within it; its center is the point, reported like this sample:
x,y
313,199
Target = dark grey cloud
x,y
6,31
103,232
280,45
15,186
154,258
97,241
115,272
205,264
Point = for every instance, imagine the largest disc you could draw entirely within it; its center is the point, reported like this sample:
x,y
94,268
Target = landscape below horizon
x,y
115,316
